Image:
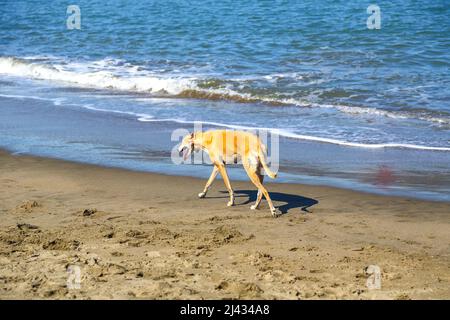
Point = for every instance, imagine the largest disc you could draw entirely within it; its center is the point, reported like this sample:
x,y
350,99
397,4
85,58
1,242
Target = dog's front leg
x,y
210,181
224,175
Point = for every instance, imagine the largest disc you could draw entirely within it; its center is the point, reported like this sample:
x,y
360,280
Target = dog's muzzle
x,y
181,151
185,151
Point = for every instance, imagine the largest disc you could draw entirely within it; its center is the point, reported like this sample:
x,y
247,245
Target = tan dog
x,y
228,146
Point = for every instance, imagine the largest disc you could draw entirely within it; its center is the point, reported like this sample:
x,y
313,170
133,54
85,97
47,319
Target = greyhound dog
x,y
228,146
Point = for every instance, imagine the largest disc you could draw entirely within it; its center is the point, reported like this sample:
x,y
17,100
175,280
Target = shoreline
x,y
65,126
144,235
242,179
236,173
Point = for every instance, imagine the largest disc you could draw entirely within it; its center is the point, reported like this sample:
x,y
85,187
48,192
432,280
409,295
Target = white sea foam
x,y
138,115
17,96
288,134
119,75
97,79
56,101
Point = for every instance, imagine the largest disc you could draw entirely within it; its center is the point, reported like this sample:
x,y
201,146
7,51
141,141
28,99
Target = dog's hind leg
x,y
251,172
260,195
210,181
226,180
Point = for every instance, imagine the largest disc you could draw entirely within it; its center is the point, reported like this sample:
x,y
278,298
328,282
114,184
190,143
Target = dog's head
x,y
187,146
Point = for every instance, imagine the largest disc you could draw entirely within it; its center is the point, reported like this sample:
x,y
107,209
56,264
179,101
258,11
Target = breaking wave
x,y
106,74
292,135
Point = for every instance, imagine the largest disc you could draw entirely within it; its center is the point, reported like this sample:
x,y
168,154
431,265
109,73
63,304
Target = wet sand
x,y
136,235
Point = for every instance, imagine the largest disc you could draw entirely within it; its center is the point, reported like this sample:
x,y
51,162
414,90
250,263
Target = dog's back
x,y
232,143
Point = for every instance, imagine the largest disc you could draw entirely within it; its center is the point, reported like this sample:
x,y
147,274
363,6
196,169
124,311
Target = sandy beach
x,y
137,235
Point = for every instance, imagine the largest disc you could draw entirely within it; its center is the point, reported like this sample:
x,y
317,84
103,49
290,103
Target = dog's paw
x,y
202,195
230,203
276,213
253,207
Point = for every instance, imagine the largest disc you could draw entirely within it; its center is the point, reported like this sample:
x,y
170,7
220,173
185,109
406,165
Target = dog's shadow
x,y
292,201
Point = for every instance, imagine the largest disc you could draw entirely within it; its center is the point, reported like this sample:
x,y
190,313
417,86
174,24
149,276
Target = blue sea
x,y
359,108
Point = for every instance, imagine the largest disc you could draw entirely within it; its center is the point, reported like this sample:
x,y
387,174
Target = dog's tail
x,y
262,158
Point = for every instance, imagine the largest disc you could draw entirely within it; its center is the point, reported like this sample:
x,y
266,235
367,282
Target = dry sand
x,y
141,235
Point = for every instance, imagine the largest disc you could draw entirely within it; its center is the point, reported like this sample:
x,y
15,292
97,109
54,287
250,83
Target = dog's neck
x,y
198,140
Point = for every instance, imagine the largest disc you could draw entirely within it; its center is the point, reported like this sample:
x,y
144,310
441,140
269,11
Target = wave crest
x,y
105,75
292,135
97,79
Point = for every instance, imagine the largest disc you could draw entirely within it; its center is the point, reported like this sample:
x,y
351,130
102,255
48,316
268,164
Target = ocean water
x,y
354,107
